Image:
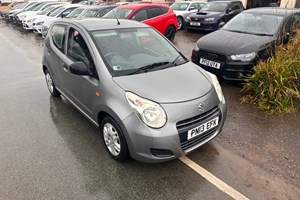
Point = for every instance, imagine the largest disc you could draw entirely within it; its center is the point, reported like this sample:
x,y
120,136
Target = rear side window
x,y
58,34
154,12
164,10
140,16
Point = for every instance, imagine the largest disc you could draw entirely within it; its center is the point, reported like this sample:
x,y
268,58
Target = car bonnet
x,y
175,84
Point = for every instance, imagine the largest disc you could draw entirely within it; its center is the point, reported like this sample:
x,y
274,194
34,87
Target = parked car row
x,y
38,16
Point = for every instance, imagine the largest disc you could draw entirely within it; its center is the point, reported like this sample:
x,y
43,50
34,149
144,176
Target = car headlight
x,y
31,20
244,57
39,23
151,113
22,17
217,87
188,19
209,19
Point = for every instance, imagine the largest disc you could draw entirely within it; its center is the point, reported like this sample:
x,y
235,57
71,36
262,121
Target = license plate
x,y
202,128
210,63
195,23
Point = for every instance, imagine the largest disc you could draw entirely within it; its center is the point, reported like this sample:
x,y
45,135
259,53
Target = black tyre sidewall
x,y
55,92
123,155
167,30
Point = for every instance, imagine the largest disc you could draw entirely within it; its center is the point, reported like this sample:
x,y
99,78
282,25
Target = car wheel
x,y
180,22
170,33
50,84
114,139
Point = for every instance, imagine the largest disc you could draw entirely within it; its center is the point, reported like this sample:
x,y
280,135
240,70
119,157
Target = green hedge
x,y
275,84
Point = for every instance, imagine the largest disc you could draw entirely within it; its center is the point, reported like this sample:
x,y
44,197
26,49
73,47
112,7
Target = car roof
x,y
273,11
142,5
94,24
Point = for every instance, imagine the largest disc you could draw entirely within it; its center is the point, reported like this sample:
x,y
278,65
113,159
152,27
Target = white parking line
x,y
212,179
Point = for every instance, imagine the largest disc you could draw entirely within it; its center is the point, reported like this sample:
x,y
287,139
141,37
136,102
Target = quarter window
x,y
58,36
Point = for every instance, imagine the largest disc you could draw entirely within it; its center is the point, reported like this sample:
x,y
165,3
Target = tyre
x,y
114,139
180,22
50,84
170,33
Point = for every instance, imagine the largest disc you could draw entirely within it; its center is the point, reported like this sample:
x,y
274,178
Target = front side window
x,y
102,12
58,33
89,13
77,50
75,13
56,11
128,51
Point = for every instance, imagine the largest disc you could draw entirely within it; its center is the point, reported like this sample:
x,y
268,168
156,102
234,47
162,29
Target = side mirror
x,y
228,10
192,8
79,68
63,15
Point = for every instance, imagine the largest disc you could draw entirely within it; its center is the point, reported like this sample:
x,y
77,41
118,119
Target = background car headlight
x,y
151,113
244,57
217,86
39,23
31,20
209,19
22,17
188,19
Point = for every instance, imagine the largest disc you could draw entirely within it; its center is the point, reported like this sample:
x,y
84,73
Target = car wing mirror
x,y
192,8
79,68
229,10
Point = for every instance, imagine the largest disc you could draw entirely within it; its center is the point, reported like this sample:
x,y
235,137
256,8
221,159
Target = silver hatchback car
x,y
149,101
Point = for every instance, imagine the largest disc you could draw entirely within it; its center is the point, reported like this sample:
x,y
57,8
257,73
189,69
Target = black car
x,y
213,15
231,52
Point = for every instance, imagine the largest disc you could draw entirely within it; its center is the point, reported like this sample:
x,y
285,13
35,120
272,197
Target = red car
x,y
159,16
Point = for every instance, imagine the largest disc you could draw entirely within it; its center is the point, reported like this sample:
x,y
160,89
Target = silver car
x,y
148,100
184,9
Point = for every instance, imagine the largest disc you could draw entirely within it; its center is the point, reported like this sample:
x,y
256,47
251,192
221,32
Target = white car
x,y
37,9
60,12
185,8
27,23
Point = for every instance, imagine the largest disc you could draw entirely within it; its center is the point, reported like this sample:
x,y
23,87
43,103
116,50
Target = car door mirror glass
x,y
79,68
192,8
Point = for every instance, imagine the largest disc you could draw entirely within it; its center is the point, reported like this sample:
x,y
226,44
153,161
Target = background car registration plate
x,y
195,23
203,128
210,63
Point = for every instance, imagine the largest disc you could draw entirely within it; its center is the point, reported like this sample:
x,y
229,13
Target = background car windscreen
x,y
120,13
214,7
179,6
255,23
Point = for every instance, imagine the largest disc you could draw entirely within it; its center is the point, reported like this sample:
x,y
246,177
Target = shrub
x,y
275,84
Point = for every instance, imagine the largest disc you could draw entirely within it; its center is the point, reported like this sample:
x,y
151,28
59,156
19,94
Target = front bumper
x,y
27,25
37,29
229,70
204,26
169,142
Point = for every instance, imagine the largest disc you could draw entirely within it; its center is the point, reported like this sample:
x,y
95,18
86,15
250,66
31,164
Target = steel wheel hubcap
x,y
112,139
49,82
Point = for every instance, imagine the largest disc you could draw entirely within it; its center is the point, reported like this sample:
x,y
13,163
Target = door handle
x,y
64,66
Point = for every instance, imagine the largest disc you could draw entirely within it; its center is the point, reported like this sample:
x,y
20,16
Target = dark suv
x,y
213,15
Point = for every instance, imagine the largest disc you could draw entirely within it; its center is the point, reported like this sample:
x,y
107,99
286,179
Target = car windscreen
x,y
75,13
31,7
179,6
254,23
119,13
136,50
37,8
46,10
89,13
56,12
214,7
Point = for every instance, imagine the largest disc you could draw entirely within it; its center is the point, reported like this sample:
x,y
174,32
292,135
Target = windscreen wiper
x,y
149,67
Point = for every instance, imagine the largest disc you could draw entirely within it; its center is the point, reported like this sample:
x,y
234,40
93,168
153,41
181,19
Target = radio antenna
x,y
118,23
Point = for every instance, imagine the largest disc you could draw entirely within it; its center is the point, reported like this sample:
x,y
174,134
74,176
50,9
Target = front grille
x,y
212,56
188,124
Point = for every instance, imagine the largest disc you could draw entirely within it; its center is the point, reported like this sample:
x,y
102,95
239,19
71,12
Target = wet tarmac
x,y
48,150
